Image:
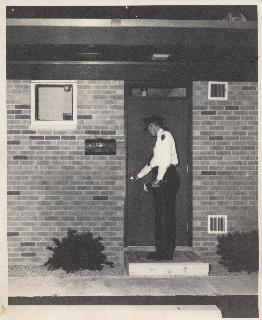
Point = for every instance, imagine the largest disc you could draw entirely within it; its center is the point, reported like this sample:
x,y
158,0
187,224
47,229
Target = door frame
x,y
189,95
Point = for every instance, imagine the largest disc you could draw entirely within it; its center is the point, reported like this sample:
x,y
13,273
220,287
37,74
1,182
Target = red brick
x,y
236,128
61,187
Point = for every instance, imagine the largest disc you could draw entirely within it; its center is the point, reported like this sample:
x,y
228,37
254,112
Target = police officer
x,y
164,187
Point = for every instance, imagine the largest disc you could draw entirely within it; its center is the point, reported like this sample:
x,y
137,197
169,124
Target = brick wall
x,y
224,161
53,185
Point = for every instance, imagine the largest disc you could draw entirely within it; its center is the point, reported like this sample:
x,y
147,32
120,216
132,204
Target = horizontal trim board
x,y
135,36
101,62
144,72
155,23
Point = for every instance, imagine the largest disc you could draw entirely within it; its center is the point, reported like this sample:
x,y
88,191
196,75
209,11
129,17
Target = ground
x,y
235,294
216,269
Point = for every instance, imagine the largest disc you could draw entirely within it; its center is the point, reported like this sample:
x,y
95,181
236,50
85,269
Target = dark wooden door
x,y
139,215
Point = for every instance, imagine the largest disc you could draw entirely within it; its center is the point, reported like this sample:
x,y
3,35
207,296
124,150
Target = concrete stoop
x,y
184,263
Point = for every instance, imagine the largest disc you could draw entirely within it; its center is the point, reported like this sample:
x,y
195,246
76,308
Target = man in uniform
x,y
164,187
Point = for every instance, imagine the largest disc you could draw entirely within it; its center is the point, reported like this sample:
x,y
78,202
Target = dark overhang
x,y
224,49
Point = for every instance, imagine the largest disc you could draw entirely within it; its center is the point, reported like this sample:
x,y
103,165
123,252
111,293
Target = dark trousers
x,y
165,219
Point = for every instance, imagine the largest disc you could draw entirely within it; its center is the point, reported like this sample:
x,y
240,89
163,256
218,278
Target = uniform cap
x,y
153,119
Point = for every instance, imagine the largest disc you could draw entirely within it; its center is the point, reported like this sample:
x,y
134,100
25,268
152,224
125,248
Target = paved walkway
x,y
132,286
114,312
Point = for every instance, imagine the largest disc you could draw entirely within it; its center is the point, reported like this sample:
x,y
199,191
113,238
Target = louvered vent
x,y
217,224
217,90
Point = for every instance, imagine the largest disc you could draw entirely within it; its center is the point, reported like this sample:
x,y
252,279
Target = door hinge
x,y
187,226
187,168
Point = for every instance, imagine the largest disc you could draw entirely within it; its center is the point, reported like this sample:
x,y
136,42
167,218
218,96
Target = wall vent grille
x,y
217,224
217,90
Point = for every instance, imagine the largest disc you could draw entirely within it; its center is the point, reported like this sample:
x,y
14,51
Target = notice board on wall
x,y
100,146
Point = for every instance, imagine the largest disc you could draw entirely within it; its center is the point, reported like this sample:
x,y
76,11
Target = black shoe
x,y
151,256
154,256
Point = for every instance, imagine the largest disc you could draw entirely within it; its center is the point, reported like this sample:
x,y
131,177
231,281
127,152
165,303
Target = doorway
x,y
139,211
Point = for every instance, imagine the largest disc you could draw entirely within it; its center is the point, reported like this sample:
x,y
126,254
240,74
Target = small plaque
x,y
100,146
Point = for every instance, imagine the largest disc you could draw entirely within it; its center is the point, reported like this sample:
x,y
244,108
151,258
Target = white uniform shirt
x,y
164,154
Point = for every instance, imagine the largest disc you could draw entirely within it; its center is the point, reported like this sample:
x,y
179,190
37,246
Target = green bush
x,y
239,251
77,251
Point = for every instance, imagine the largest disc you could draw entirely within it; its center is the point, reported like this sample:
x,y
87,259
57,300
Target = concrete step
x,y
184,263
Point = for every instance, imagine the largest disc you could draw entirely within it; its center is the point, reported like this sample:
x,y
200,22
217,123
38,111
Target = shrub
x,y
239,251
77,251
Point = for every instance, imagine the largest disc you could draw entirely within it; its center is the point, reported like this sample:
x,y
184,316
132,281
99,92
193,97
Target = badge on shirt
x,y
163,137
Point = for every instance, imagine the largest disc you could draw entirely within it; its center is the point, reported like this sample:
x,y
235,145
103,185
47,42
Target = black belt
x,y
155,171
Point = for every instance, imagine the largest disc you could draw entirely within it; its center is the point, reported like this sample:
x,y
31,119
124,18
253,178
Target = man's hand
x,y
134,178
155,183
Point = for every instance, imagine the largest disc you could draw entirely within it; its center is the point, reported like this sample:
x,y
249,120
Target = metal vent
x,y
217,224
217,90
